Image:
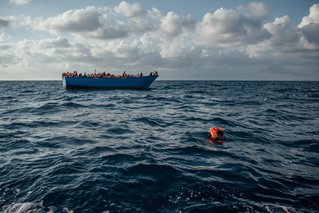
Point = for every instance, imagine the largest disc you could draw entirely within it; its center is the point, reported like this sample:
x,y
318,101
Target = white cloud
x,y
174,24
233,27
80,20
130,10
110,32
107,23
93,22
7,56
282,32
284,52
4,38
312,18
179,47
20,2
284,39
310,27
55,43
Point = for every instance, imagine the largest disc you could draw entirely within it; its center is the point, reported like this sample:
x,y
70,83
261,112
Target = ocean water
x,y
147,151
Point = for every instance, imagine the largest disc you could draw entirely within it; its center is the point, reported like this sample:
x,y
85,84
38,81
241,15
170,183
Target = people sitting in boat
x,y
104,75
154,73
124,75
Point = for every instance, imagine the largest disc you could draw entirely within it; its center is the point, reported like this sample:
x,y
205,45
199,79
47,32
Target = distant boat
x,y
76,82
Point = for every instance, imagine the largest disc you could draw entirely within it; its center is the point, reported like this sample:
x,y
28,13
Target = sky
x,y
181,39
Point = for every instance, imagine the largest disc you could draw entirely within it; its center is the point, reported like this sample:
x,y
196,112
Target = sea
x,y
107,151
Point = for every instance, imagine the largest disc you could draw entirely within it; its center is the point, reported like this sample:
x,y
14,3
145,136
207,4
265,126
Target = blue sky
x,y
182,39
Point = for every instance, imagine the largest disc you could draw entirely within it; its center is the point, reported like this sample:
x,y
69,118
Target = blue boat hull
x,y
108,83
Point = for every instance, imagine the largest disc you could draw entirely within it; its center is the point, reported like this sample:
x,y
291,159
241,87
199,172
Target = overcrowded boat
x,y
75,80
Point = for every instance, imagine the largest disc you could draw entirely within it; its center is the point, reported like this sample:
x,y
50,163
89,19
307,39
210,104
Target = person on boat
x,y
124,74
154,73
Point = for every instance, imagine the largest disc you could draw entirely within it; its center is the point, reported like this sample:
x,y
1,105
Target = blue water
x,y
147,151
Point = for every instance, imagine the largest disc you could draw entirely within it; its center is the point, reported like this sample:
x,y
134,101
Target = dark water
x,y
147,151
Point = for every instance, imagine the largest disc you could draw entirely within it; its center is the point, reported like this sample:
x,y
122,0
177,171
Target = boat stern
x,y
64,82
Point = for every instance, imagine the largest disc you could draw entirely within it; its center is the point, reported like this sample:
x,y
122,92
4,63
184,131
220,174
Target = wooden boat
x,y
129,82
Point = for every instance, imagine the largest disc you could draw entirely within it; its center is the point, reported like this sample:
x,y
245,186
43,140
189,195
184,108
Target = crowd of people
x,y
105,75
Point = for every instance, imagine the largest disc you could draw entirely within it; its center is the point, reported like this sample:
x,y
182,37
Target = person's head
x,y
220,134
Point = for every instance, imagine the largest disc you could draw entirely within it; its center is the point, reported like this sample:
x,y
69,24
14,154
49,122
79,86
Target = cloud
x,y
54,54
284,40
312,18
92,22
4,23
108,23
256,9
282,32
7,55
4,38
173,24
8,21
80,20
311,33
228,27
55,43
20,2
130,10
309,26
109,32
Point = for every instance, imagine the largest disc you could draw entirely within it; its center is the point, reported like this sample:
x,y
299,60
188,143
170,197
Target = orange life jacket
x,y
216,134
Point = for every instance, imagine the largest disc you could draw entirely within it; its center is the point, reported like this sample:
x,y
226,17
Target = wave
x,y
23,208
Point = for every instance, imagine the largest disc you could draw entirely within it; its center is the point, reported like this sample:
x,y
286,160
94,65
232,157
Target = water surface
x,y
147,151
